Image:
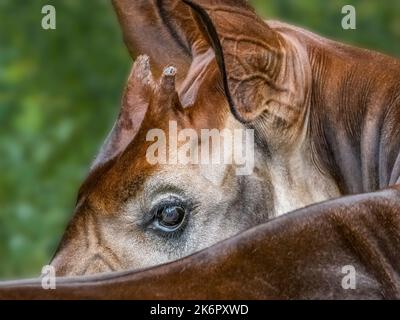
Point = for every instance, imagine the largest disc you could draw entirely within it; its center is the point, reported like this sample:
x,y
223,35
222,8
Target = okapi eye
x,y
170,218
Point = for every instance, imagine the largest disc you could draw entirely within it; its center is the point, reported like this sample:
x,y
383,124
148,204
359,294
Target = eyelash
x,y
173,234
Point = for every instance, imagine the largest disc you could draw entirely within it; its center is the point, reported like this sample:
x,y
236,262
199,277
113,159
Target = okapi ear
x,y
135,103
260,67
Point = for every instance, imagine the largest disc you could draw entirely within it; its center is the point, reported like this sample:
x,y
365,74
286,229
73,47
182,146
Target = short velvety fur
x,y
326,116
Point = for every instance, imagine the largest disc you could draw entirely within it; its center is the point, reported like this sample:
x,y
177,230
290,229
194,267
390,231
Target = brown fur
x,y
334,107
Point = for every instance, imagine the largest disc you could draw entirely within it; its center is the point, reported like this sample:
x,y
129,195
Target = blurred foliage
x,y
59,95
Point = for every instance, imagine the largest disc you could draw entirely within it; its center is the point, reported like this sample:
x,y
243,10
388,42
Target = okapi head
x,y
205,65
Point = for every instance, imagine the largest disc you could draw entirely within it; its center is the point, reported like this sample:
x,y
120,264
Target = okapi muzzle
x,y
326,154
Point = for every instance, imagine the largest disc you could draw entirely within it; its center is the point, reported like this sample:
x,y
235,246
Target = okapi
x,y
324,192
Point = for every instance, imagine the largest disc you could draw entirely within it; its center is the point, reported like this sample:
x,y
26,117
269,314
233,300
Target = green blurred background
x,y
59,95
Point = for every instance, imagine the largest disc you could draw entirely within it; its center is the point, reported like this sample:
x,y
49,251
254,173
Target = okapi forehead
x,y
119,179
110,186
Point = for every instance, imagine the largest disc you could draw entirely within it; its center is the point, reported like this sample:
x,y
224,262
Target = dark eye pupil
x,y
170,216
